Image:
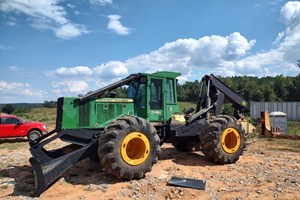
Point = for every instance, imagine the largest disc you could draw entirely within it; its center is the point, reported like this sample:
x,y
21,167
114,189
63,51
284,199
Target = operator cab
x,y
154,95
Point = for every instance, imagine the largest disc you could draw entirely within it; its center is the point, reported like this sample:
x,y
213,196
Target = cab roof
x,y
167,74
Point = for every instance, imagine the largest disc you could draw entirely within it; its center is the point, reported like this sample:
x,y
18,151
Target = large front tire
x,y
224,140
129,147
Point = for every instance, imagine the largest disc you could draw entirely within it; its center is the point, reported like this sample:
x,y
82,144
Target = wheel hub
x,y
230,140
135,148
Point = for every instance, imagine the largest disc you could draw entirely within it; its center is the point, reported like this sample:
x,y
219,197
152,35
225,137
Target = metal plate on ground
x,y
189,183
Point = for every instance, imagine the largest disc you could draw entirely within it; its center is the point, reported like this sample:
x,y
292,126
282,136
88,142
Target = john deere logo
x,y
156,112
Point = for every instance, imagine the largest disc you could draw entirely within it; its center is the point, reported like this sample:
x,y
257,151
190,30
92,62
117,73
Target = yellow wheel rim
x,y
135,148
230,140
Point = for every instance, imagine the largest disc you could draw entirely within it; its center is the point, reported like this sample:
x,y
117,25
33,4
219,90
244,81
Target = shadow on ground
x,y
194,158
23,179
12,140
86,172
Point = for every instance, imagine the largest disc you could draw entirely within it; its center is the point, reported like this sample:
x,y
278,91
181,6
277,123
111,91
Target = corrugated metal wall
x,y
292,109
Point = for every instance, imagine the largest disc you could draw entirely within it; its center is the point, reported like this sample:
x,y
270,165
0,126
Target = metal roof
x,y
277,113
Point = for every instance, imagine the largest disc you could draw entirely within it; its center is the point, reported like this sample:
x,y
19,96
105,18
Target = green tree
x,y
49,104
294,94
227,109
121,92
281,87
8,109
269,94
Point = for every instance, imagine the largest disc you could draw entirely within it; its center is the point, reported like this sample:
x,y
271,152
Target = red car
x,y
13,126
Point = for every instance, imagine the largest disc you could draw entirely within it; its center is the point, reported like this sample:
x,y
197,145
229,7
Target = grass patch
x,y
285,145
14,145
276,144
43,114
184,106
294,127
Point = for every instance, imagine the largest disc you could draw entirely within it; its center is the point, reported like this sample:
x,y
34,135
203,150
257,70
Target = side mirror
x,y
19,123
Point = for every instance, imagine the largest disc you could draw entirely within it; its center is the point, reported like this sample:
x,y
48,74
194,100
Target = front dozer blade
x,y
39,178
49,165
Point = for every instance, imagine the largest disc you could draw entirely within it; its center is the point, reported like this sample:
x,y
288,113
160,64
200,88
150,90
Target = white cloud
x,y
72,71
101,2
69,30
45,15
291,43
278,38
106,70
75,80
208,53
69,86
115,25
283,58
11,23
15,69
15,90
71,5
4,47
238,45
290,13
111,69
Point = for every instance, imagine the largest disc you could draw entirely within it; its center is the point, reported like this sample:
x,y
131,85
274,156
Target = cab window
x,y
170,91
141,96
156,94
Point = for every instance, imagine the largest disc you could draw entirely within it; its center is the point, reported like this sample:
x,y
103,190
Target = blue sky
x,y
53,48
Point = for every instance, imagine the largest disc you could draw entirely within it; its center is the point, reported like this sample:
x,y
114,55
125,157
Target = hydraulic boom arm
x,y
112,86
231,96
213,98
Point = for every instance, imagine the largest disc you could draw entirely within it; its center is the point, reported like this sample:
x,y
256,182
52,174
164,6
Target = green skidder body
x,y
95,113
150,96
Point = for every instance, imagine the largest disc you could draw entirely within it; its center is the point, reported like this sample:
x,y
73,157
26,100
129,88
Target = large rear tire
x,y
129,147
224,140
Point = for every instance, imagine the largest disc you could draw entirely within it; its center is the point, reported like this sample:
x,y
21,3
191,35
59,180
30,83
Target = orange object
x,y
265,127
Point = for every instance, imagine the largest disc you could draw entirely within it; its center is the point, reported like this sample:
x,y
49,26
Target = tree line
x,y
17,108
278,88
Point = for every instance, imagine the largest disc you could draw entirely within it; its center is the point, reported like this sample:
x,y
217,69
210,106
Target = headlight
x,y
45,126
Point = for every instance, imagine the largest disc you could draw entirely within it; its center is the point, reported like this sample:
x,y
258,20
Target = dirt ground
x,y
265,171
